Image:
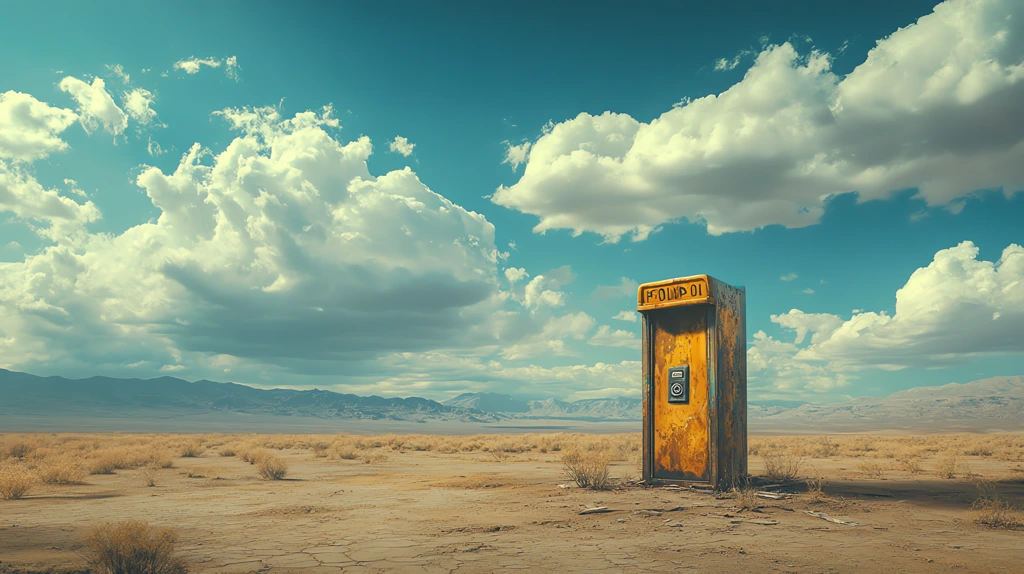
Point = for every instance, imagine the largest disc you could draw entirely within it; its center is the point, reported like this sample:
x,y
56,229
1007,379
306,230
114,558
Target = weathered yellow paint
x,y
697,322
674,292
681,431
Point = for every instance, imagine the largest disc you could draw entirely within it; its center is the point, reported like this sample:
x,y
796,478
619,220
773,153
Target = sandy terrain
x,y
432,511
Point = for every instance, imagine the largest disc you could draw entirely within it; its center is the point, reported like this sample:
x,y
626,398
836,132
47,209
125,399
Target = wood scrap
x,y
596,510
773,495
824,516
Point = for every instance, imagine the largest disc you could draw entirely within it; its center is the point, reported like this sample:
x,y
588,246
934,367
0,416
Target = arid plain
x,y
422,503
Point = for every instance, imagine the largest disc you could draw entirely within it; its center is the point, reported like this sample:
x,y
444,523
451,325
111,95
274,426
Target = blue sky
x,y
830,158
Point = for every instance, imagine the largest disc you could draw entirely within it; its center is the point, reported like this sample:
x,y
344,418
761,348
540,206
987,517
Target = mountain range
x,y
989,404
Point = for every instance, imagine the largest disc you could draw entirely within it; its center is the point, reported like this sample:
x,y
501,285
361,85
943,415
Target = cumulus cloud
x,y
137,103
927,109
516,155
51,214
955,309
30,129
606,337
192,65
281,250
401,145
627,315
789,277
95,105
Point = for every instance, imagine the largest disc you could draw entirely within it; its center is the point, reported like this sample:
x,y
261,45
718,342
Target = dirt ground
x,y
474,512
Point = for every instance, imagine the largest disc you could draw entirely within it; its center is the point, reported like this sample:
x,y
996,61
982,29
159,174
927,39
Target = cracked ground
x,y
433,512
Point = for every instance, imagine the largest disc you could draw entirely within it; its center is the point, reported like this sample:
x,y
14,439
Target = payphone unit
x,y
694,381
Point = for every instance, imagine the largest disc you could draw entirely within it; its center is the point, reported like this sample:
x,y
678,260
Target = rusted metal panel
x,y
680,431
646,468
693,290
730,367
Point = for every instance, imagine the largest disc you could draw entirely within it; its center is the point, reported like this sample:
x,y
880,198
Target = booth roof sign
x,y
673,292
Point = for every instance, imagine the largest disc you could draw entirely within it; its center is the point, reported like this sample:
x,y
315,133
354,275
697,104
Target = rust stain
x,y
681,436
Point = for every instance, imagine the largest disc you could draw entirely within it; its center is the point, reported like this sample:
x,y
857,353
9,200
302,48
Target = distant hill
x,y
24,394
989,404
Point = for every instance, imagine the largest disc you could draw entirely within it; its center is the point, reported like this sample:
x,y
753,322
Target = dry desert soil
x,y
398,505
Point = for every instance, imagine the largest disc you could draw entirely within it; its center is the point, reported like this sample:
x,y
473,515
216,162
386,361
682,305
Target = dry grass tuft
x,y
781,466
271,467
191,449
15,482
588,469
746,498
375,458
148,476
134,547
816,488
227,451
346,453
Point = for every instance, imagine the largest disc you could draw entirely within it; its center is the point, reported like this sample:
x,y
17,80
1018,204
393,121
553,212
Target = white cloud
x,y
626,288
138,103
627,315
281,250
30,129
401,145
808,291
118,70
13,246
945,314
515,275
538,295
95,105
22,195
789,277
551,339
927,109
192,65
516,155
605,337
154,148
231,68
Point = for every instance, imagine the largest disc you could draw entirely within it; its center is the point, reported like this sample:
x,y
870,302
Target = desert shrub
x,y
375,458
227,451
19,450
319,449
816,487
991,510
148,476
781,466
826,448
909,463
950,464
499,455
873,469
15,482
191,449
346,453
254,456
103,466
271,467
133,547
62,470
589,469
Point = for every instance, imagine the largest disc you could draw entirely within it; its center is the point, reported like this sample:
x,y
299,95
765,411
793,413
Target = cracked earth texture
x,y
442,513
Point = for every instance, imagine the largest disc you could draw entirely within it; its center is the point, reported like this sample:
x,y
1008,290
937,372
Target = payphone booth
x,y
694,382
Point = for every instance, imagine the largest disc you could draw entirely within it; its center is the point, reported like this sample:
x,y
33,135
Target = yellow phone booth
x,y
695,381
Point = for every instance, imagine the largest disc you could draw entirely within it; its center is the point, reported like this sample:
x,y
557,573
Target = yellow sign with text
x,y
682,291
